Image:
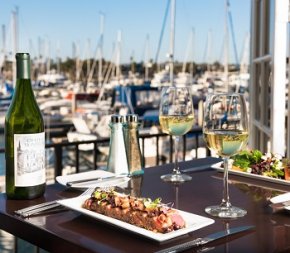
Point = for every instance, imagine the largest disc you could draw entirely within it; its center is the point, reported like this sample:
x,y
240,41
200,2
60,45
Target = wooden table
x,y
69,231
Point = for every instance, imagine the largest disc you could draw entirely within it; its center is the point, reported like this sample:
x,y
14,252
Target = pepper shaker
x,y
131,135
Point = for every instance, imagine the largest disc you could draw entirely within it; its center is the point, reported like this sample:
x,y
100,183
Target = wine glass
x,y
225,130
176,118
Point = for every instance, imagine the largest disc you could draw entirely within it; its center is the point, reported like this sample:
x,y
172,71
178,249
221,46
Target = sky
x,y
60,23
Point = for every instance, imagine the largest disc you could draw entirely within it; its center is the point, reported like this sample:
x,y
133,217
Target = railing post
x,y
184,146
197,145
143,149
58,160
95,156
77,158
157,150
171,149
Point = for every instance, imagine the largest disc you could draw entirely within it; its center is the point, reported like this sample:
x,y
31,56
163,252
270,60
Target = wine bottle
x,y
24,138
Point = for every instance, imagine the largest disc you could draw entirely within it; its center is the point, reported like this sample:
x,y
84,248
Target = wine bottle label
x,y
29,159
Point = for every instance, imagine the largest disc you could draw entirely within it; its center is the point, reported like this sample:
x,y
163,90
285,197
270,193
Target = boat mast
x,y
88,56
118,55
161,35
3,50
78,62
193,56
100,49
98,55
3,40
172,33
15,42
189,48
208,50
58,58
47,54
244,62
2,55
232,32
226,57
40,56
147,58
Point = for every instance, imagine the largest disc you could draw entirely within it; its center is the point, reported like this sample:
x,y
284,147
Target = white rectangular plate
x,y
122,181
193,221
218,167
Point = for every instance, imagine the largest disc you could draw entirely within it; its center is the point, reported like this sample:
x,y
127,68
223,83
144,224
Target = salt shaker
x,y
131,135
117,160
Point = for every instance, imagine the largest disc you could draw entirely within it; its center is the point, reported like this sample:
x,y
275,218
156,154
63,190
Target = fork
x,y
46,206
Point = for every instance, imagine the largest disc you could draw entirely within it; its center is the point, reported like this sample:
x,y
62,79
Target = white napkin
x,y
281,198
121,182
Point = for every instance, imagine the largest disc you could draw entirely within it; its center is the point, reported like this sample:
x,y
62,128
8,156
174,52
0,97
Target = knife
x,y
98,179
202,241
198,168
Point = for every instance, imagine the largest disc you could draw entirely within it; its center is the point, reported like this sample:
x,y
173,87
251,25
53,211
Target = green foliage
x,y
255,162
245,158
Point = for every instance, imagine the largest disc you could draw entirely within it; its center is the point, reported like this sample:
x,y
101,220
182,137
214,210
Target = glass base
x,y
176,178
226,212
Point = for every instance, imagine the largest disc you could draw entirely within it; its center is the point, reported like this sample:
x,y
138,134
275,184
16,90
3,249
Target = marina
x,y
77,102
166,126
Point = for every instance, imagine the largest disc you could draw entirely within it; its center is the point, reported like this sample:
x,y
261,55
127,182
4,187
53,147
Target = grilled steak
x,y
142,212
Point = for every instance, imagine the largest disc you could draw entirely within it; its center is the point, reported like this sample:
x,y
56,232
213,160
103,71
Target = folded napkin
x,y
89,175
121,182
281,198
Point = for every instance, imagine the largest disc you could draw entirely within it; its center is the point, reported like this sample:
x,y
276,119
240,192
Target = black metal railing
x,y
59,147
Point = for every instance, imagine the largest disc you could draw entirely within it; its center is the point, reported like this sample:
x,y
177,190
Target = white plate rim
x,y
218,167
200,221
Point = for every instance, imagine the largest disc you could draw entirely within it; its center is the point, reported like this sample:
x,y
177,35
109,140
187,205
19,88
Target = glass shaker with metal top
x,y
131,135
117,160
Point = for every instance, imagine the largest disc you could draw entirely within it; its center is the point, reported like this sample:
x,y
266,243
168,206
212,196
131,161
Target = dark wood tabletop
x,y
70,231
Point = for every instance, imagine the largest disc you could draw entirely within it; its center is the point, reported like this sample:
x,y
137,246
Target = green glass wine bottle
x,y
24,138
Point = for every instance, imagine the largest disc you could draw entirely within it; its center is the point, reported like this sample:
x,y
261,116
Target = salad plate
x,y
218,167
193,221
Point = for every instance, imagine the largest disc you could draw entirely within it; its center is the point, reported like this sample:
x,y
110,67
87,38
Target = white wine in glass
x,y
176,118
225,130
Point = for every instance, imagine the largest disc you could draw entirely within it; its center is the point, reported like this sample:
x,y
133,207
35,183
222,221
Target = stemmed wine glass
x,y
225,130
176,117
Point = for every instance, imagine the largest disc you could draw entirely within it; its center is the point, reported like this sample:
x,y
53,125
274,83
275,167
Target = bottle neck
x,y
23,69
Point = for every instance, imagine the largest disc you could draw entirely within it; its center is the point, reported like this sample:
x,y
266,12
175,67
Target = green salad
x,y
255,162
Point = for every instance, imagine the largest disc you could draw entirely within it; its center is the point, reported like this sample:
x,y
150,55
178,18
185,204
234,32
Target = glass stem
x,y
176,144
226,199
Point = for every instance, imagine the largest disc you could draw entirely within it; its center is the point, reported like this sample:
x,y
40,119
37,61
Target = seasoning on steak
x,y
142,212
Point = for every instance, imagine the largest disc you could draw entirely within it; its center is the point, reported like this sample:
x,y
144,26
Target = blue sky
x,y
61,22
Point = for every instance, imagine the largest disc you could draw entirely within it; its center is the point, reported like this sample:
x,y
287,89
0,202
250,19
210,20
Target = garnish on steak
x,y
142,212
